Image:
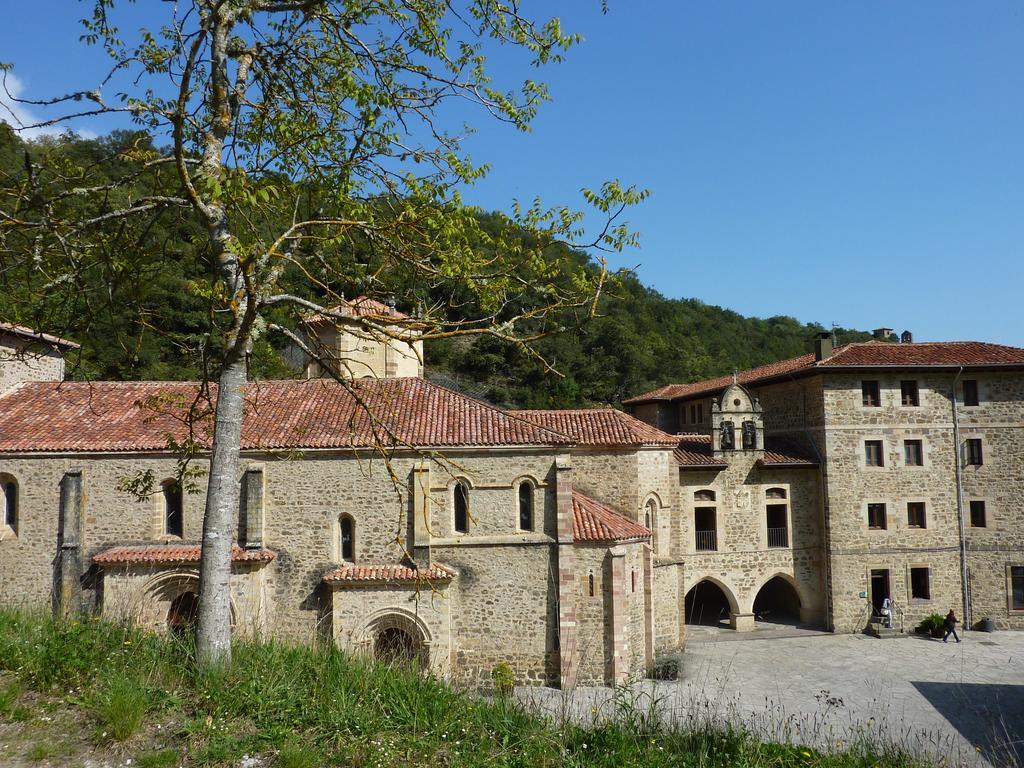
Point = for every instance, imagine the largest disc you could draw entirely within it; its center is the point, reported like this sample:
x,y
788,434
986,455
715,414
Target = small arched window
x,y
704,496
525,506
632,575
174,522
651,522
10,492
461,502
347,538
590,584
775,493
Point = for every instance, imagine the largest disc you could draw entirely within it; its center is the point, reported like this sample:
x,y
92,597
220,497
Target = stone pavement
x,y
960,703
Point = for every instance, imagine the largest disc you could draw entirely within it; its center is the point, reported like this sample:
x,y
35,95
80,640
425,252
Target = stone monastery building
x,y
400,519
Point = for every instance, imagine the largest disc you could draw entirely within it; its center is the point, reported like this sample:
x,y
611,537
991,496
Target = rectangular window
x,y
978,514
916,514
870,395
973,451
913,453
700,413
693,414
909,393
920,584
778,530
876,517
873,453
970,391
705,529
1017,587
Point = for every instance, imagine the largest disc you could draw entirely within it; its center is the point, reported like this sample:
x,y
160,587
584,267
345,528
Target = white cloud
x,y
19,115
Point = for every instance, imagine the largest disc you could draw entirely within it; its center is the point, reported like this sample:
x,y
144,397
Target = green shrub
x,y
666,666
933,623
120,706
504,679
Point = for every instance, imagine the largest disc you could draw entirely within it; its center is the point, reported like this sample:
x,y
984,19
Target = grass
x,y
301,707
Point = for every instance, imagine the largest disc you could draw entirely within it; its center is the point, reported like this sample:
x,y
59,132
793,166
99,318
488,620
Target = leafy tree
x,y
307,158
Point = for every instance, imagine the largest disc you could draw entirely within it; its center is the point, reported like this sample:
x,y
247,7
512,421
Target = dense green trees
x,y
148,321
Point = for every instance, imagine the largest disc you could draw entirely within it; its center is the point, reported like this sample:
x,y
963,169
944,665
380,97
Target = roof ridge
x,y
507,413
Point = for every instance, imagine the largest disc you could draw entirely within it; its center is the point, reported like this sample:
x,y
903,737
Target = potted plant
x,y
934,625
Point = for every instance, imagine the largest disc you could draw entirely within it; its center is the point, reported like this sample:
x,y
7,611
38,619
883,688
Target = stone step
x,y
875,629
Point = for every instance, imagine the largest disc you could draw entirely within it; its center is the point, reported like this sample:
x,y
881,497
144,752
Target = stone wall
x,y
852,485
424,611
503,602
21,360
744,562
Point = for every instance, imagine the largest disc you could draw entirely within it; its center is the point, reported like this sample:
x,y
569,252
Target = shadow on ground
x,y
990,716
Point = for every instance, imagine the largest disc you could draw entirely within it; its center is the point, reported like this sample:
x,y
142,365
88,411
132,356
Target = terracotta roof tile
x,y
694,450
594,521
787,452
929,353
174,553
28,333
678,391
360,306
599,426
308,414
386,573
867,353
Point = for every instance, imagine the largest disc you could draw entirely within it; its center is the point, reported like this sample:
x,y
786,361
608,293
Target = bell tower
x,y
736,422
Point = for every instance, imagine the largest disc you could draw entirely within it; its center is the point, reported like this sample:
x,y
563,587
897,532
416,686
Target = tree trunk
x,y
213,634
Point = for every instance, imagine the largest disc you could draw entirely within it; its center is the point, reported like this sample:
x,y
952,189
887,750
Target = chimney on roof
x,y
823,345
906,338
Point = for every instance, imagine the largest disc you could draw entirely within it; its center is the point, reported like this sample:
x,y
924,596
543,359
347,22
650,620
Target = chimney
x,y
823,346
906,338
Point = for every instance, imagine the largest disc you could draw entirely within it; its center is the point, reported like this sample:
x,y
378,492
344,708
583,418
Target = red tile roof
x,y
28,333
594,521
360,306
599,426
781,452
308,414
944,354
174,553
694,451
386,573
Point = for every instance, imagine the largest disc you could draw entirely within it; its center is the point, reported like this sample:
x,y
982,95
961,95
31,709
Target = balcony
x,y
778,538
707,541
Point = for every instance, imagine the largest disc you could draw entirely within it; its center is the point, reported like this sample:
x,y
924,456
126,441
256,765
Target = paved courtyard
x,y
962,702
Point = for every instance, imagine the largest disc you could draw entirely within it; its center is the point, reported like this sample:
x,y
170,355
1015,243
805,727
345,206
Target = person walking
x,y
951,622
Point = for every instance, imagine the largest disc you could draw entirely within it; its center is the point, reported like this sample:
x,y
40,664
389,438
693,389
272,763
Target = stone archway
x,y
398,639
778,602
708,604
183,614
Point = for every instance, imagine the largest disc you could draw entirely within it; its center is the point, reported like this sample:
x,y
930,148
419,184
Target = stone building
x,y
360,338
391,515
400,519
910,482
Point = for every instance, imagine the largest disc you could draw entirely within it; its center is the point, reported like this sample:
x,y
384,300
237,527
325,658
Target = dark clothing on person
x,y
951,623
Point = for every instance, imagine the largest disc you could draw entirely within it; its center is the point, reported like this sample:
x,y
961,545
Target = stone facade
x,y
893,509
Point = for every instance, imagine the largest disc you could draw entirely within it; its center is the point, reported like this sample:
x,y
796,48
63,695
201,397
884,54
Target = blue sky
x,y
857,163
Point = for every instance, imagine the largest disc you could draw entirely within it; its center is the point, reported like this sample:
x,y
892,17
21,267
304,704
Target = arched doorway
x,y
182,615
394,645
398,640
707,604
777,602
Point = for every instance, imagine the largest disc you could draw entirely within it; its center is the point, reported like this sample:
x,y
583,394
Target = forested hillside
x,y
144,322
